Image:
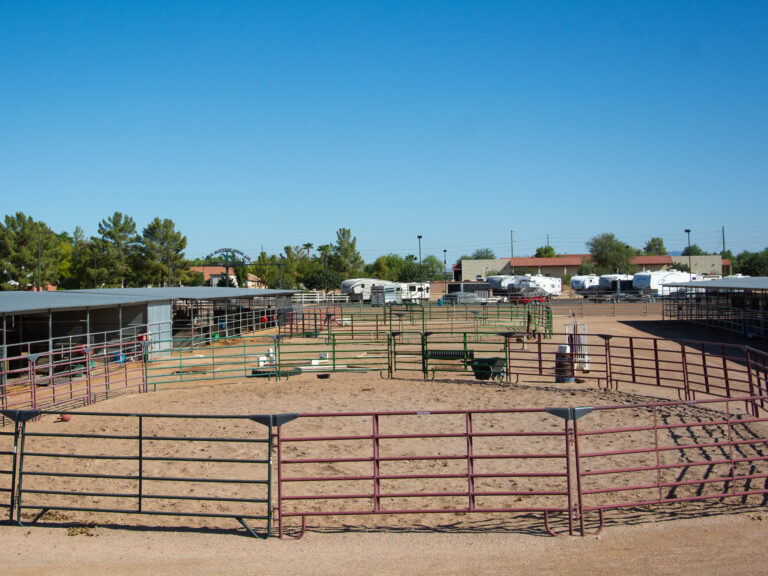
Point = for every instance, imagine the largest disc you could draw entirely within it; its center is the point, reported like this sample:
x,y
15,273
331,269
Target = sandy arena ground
x,y
724,539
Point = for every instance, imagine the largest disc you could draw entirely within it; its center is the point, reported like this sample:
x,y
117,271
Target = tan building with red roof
x,y
213,274
568,265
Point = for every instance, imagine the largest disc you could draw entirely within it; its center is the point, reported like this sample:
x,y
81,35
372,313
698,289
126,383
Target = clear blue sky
x,y
257,124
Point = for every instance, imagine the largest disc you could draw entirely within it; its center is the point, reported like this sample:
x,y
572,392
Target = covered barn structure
x,y
39,322
736,304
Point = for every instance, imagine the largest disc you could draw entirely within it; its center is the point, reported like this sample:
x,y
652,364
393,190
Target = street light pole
x,y
690,266
445,263
419,237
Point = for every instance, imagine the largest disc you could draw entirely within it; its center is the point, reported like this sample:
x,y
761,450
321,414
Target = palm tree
x,y
325,251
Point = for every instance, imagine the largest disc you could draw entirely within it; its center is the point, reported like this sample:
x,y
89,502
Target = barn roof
x,y
16,302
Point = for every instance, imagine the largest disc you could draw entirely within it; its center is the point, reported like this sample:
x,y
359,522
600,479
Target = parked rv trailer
x,y
414,291
584,282
500,282
359,289
654,280
548,284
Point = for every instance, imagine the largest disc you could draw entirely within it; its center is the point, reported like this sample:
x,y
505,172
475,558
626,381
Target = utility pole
x,y
511,243
723,238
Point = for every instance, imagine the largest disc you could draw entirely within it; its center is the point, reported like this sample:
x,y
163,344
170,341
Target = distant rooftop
x,y
756,283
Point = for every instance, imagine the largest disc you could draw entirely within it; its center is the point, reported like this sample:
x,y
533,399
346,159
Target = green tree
x,y
118,243
545,252
483,254
655,247
346,259
325,251
20,238
307,249
610,255
268,268
161,251
323,279
378,269
195,278
409,270
290,266
241,275
432,267
586,268
693,250
75,271
752,263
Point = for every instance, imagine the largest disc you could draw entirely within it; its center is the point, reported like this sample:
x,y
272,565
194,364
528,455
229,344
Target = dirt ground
x,y
711,539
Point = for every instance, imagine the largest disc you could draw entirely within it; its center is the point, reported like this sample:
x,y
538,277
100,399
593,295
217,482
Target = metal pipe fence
x,y
672,453
366,321
571,465
206,466
82,375
72,341
428,462
74,377
521,461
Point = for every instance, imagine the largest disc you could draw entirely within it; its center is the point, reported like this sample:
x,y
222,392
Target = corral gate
x,y
152,464
436,462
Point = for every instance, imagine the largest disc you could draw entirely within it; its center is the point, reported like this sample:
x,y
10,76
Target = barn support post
x,y
3,368
50,347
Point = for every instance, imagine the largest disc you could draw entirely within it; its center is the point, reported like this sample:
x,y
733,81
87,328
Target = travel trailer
x,y
608,282
501,282
414,291
584,282
654,280
359,289
549,284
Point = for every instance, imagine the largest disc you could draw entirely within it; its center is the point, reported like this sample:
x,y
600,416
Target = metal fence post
x,y
32,358
141,462
572,438
376,481
684,358
470,463
607,340
20,419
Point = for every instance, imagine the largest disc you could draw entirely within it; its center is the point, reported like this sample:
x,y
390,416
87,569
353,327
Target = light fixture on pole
x,y
690,267
419,237
445,262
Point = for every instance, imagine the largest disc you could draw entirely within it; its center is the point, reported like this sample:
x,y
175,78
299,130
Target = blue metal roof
x,y
16,302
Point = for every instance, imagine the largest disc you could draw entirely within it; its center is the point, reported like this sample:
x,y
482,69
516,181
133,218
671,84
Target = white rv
x,y
584,282
414,291
606,281
359,289
549,284
654,280
501,282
